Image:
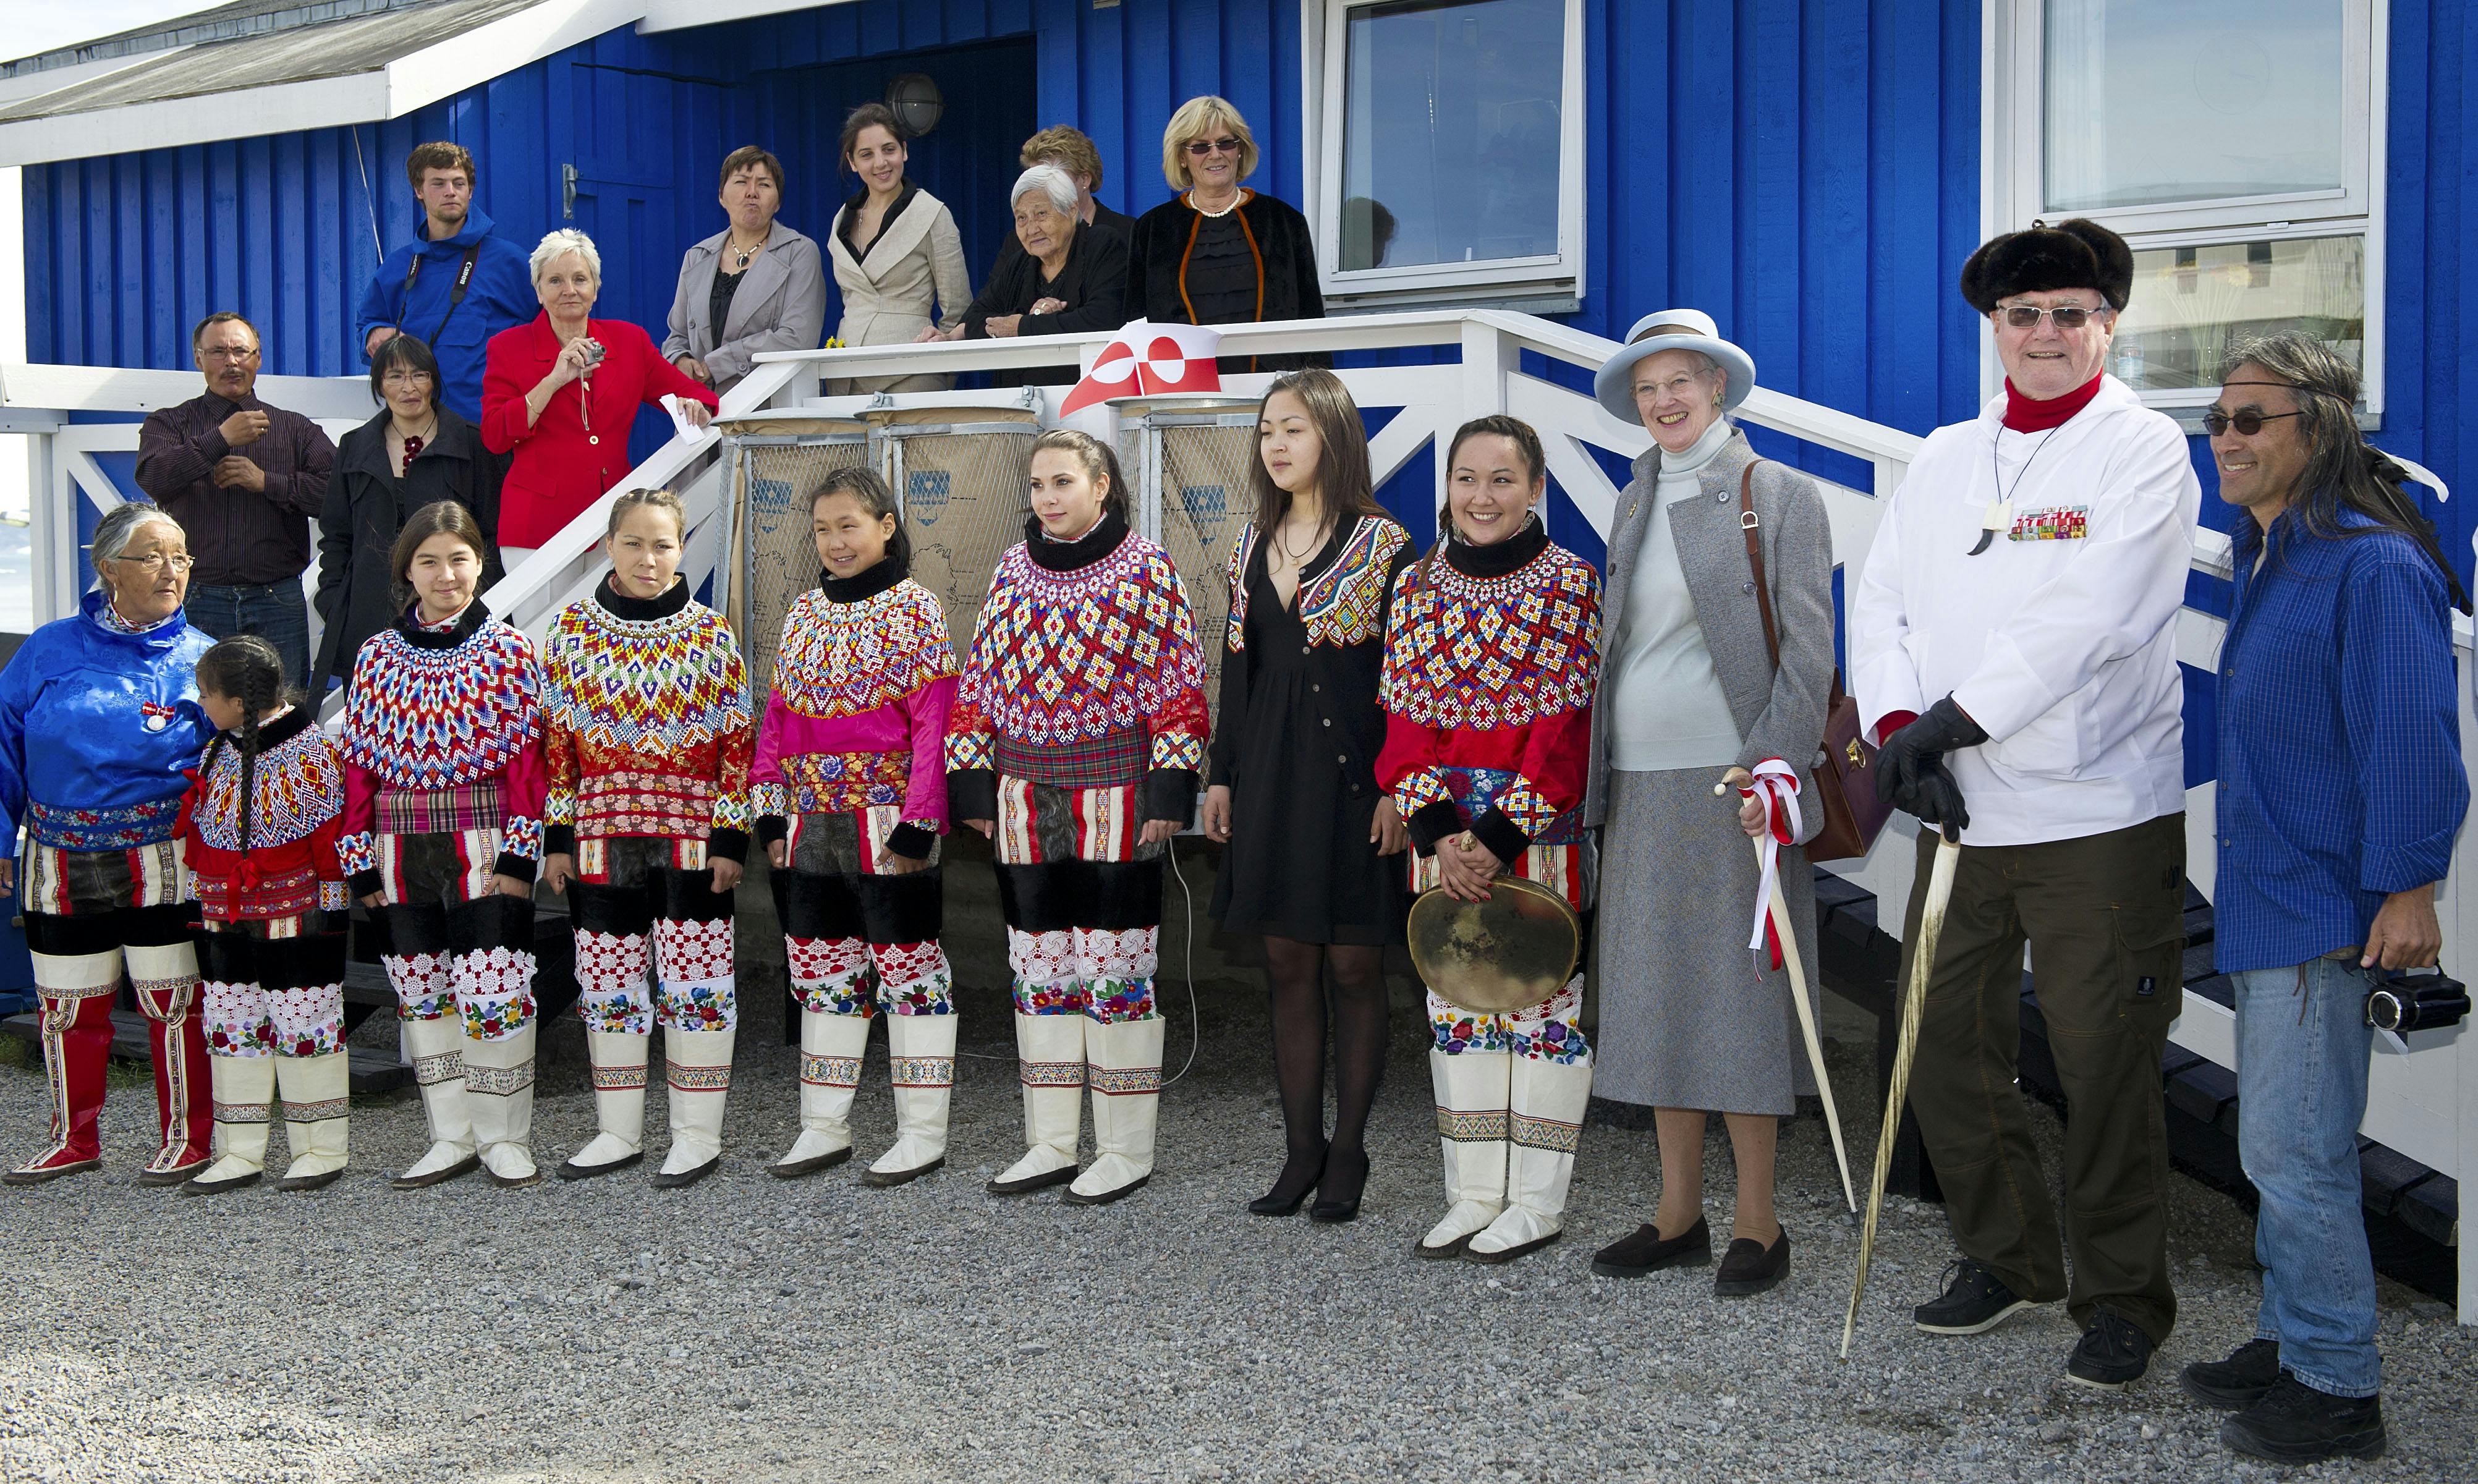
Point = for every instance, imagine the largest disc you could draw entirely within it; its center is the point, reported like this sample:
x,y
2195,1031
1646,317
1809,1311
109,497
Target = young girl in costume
x,y
850,794
260,825
645,702
1077,745
443,832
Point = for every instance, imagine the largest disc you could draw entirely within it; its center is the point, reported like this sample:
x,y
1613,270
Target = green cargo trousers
x,y
2104,916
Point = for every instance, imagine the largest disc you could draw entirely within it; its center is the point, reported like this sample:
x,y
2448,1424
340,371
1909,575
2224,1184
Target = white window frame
x,y
1551,281
2013,163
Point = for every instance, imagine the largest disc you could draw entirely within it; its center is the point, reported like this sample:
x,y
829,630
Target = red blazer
x,y
573,453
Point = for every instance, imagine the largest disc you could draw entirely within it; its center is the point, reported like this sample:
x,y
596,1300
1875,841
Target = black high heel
x,y
1343,1203
1284,1197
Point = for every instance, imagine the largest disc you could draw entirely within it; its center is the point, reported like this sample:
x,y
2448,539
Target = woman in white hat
x,y
1690,1022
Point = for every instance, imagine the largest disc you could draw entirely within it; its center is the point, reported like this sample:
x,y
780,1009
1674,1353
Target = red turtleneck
x,y
2029,414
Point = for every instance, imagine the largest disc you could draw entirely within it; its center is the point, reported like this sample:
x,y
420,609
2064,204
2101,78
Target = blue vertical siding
x,y
1806,171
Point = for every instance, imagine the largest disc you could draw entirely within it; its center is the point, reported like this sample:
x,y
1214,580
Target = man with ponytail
x,y
2341,787
260,827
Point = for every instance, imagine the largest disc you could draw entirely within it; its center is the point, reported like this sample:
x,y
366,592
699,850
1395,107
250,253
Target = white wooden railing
x,y
2423,1104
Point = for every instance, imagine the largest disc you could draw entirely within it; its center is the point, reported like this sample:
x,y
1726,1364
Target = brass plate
x,y
1510,952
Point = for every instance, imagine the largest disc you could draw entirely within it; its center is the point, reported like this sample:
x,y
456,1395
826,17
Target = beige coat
x,y
887,295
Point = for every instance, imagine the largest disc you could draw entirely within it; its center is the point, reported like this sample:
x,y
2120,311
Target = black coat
x,y
1158,255
367,505
1092,281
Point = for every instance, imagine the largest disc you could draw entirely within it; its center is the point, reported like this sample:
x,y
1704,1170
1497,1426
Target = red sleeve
x,y
660,378
504,424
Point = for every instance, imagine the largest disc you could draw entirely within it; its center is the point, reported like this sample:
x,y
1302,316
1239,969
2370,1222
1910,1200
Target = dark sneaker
x,y
2294,1423
2238,1382
1974,1301
2113,1355
1649,1251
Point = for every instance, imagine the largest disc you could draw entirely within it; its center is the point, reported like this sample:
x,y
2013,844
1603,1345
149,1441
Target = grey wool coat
x,y
1779,713
781,305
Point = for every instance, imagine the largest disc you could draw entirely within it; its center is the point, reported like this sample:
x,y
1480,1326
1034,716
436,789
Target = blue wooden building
x,y
1811,173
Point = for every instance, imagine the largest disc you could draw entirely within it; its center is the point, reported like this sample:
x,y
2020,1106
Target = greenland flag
x,y
1149,360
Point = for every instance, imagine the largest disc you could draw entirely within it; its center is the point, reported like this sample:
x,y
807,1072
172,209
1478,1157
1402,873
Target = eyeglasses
x,y
2248,422
2068,316
420,379
156,562
1200,148
228,353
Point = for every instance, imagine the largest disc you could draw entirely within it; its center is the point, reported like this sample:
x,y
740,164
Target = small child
x,y
260,826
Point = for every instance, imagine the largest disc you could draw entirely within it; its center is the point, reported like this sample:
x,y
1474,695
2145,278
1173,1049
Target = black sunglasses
x,y
1204,148
2248,422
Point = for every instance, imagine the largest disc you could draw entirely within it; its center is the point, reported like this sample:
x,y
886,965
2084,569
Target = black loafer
x,y
2238,1382
894,1177
571,1170
2112,1355
1031,1183
462,1167
1649,1251
665,1181
1750,1266
2294,1423
1974,1301
809,1167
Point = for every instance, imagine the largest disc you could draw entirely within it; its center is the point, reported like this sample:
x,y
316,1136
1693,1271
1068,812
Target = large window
x,y
2239,150
1449,148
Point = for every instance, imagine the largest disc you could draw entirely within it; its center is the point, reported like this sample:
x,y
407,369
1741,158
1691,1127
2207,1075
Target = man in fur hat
x,y
2012,647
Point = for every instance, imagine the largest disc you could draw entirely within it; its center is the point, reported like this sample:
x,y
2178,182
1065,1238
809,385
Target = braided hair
x,y
247,671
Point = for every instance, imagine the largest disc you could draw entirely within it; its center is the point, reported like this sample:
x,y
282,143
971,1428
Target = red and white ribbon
x,y
1775,784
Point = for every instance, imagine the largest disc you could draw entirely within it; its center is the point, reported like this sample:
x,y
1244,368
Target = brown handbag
x,y
1845,765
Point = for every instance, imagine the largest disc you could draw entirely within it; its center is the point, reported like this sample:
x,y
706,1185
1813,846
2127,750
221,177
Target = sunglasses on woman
x,y
1200,148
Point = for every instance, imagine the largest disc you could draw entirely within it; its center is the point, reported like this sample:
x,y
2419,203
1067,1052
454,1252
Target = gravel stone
x,y
748,1330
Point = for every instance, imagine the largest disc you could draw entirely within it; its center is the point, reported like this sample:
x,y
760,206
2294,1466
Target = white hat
x,y
1672,328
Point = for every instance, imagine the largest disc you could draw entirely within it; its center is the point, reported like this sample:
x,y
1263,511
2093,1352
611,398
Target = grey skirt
x,y
1686,1018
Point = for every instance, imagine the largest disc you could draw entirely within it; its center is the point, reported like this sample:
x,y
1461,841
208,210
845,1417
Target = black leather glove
x,y
1911,774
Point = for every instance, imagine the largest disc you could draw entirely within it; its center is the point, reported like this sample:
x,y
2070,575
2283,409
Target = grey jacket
x,y
781,305
1779,715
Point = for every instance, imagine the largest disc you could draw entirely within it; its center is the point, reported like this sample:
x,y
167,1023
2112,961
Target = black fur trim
x,y
911,841
973,793
2072,253
1170,794
814,906
515,865
1433,822
727,845
408,928
494,920
772,828
1058,894
623,912
1499,834
559,839
909,908
688,896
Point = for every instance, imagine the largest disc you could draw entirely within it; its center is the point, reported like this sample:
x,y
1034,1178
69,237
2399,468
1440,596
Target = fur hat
x,y
2075,254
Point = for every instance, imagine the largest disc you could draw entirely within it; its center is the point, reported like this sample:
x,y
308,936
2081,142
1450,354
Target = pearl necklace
x,y
1236,197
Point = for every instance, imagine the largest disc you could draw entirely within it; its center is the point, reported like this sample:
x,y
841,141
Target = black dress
x,y
1297,743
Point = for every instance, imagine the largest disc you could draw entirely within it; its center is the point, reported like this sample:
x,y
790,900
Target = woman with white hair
x,y
561,394
99,718
1069,277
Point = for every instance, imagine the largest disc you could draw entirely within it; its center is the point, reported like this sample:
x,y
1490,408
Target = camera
x,y
2422,1002
593,354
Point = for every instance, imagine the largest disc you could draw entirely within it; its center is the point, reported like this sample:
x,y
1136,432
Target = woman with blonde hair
x,y
1075,744
1218,253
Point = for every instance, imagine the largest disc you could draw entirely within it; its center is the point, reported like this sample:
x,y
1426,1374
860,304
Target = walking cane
x,y
1779,909
1948,854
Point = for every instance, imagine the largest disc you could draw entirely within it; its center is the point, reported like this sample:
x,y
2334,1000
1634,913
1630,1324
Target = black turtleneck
x,y
1053,555
862,584
642,610
468,624
1497,557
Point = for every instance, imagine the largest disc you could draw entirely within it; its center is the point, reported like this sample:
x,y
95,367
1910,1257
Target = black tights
x,y
1295,973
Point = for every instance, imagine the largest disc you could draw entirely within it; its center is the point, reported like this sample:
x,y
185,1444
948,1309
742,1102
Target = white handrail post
x,y
1490,356
45,514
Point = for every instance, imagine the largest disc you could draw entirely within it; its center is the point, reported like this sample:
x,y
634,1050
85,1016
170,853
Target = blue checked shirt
x,y
2341,775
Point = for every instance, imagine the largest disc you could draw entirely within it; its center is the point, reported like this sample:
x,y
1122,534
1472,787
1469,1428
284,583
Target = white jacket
x,y
2064,649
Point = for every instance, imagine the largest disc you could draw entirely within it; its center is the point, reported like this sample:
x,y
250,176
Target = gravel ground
x,y
748,1329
